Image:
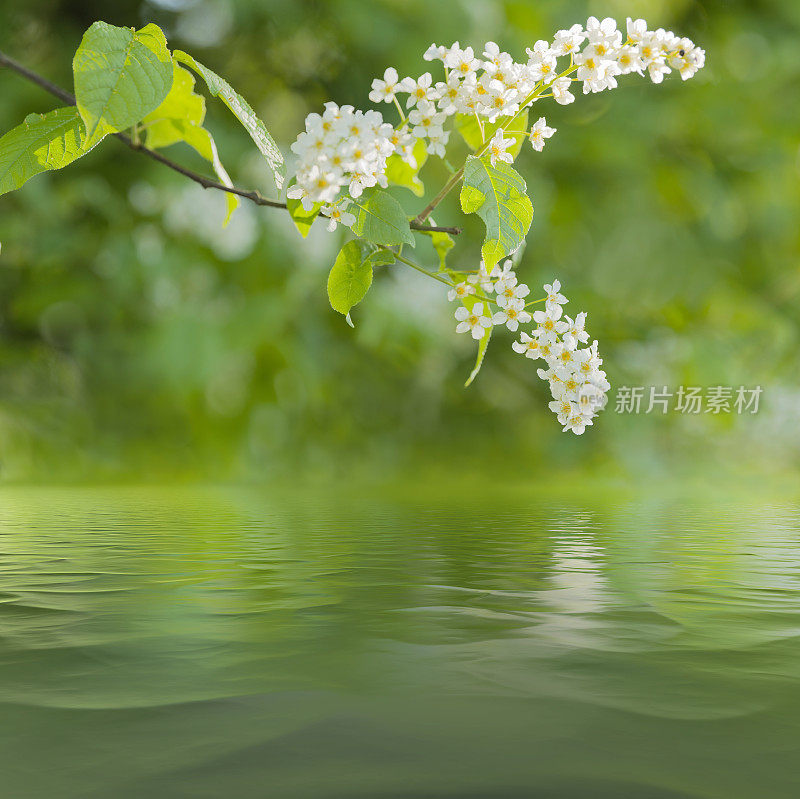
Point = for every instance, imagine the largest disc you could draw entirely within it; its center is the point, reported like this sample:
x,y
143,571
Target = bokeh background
x,y
141,340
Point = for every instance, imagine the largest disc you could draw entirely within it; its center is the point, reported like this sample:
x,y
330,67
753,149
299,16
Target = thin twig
x,y
206,182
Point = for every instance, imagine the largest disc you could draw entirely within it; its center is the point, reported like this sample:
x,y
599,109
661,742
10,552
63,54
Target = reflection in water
x,y
177,643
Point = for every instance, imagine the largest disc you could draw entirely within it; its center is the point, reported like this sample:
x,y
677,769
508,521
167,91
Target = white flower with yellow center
x,y
561,91
497,149
472,320
512,315
564,408
629,60
419,89
527,346
541,62
636,29
462,62
549,328
539,133
604,34
567,42
338,216
437,142
577,423
485,279
576,332
459,291
426,120
509,291
383,91
448,94
555,299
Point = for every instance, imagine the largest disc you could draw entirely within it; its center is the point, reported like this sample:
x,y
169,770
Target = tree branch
x,y
202,180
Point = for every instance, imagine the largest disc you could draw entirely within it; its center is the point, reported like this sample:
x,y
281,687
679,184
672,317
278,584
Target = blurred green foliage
x,y
138,339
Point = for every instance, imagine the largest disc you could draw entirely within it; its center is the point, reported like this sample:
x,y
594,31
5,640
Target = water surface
x,y
246,643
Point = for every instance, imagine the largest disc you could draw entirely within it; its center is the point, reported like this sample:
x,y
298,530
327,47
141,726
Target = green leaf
x,y
467,126
203,142
242,110
401,173
350,276
381,257
381,219
302,219
498,195
179,119
483,343
182,104
41,143
471,199
121,75
442,243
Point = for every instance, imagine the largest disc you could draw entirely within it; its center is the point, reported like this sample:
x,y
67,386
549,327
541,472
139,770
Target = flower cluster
x,y
509,297
347,148
342,147
577,382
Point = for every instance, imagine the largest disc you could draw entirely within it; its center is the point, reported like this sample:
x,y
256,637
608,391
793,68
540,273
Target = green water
x,y
247,643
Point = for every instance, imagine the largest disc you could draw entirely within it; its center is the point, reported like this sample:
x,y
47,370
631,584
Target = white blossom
x,y
497,148
384,90
509,291
512,314
527,346
554,297
426,120
485,279
541,62
577,384
472,320
462,62
338,216
566,42
436,52
419,89
539,133
340,148
561,91
636,29
460,290
437,142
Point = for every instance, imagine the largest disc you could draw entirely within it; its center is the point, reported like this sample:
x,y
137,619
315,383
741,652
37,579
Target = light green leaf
x,y
401,173
467,126
442,243
381,219
242,110
41,143
203,142
483,343
350,277
498,195
381,257
302,219
471,199
182,104
121,75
